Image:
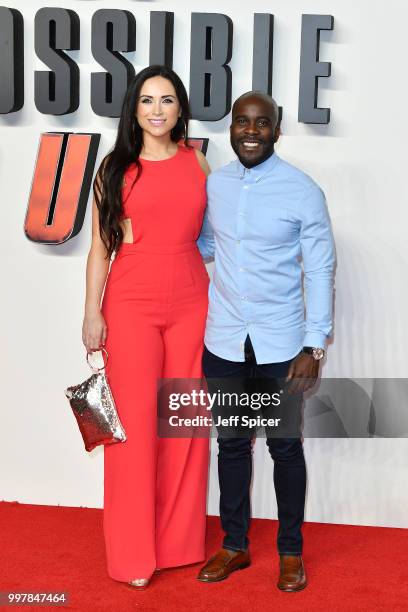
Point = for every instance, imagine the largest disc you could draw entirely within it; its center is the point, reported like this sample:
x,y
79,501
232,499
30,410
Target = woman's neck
x,y
156,148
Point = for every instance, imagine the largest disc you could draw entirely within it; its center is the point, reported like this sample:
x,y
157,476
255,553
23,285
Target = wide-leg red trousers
x,y
155,307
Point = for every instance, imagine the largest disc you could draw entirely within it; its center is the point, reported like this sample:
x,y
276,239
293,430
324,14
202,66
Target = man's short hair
x,y
265,97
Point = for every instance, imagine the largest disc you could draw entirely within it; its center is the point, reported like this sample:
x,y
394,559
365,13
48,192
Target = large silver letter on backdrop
x,y
113,30
210,77
311,69
262,62
161,38
12,60
56,92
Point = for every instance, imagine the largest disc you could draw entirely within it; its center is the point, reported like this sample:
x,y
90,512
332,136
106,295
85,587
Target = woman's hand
x,y
94,331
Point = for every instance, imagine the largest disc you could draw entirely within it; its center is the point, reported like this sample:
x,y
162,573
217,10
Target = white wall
x,y
359,160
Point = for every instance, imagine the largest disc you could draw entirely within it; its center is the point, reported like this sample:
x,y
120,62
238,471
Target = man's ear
x,y
277,132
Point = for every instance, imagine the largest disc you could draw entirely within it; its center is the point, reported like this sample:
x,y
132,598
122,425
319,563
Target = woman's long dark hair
x,y
107,186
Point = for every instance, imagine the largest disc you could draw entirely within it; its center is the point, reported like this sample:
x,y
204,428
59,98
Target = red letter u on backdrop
x,y
60,188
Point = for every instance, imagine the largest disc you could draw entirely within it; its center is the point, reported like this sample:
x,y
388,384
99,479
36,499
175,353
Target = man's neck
x,y
249,167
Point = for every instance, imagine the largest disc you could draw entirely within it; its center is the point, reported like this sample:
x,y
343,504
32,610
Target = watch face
x,y
318,353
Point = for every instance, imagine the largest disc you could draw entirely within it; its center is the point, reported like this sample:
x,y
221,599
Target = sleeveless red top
x,y
166,204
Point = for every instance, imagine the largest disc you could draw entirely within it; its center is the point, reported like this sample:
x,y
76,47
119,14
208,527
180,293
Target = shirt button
x,y
241,269
246,186
243,297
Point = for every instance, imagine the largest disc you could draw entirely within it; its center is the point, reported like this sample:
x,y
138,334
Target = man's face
x,y
253,130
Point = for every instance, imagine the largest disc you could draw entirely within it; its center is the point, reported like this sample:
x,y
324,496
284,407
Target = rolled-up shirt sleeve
x,y
318,255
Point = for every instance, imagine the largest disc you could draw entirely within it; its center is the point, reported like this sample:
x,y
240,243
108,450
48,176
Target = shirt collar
x,y
257,172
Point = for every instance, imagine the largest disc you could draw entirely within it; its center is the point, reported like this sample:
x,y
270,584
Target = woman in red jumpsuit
x,y
149,204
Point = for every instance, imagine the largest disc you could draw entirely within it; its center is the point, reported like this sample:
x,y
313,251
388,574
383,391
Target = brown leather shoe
x,y
292,573
222,564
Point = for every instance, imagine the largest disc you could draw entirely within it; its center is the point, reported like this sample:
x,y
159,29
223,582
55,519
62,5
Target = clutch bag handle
x,y
93,367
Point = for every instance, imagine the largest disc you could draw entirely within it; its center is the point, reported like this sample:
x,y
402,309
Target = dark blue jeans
x,y
235,465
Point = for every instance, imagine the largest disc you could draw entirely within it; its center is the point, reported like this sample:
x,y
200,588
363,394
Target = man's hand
x,y
303,373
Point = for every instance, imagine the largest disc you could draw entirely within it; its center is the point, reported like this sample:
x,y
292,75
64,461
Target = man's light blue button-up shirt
x,y
264,226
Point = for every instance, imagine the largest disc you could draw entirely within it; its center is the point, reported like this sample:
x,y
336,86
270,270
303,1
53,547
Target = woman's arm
x,y
205,240
94,327
202,160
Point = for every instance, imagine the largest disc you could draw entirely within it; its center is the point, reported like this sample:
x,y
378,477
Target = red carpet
x,y
54,548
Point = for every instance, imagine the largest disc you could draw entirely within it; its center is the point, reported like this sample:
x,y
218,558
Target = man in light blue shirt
x,y
270,314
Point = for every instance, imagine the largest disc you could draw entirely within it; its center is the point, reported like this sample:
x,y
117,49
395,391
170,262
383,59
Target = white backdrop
x,y
360,162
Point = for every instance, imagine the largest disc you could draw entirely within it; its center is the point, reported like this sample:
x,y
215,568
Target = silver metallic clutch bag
x,y
94,409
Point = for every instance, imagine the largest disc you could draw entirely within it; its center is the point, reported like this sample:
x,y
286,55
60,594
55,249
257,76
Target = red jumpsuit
x,y
155,306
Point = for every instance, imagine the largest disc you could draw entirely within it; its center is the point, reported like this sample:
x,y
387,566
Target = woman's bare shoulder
x,y
202,160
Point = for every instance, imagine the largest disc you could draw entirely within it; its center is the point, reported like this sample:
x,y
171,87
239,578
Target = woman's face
x,y
158,108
